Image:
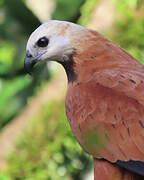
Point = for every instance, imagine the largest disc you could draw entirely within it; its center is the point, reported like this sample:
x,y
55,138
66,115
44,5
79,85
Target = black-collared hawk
x,y
105,96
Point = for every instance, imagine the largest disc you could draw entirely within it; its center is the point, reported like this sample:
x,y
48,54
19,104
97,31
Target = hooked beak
x,y
29,62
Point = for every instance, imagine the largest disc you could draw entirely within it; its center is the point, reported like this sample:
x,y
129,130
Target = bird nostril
x,y
28,54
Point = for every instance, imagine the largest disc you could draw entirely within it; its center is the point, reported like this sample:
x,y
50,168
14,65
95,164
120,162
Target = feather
x,y
134,166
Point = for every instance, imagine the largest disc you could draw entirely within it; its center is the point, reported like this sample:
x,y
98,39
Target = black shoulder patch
x,y
134,166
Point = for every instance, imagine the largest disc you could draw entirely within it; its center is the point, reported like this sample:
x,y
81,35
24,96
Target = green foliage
x,y
86,11
123,4
18,10
2,177
16,23
67,10
8,98
129,29
7,51
128,5
48,150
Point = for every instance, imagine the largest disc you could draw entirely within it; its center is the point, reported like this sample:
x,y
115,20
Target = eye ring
x,y
43,42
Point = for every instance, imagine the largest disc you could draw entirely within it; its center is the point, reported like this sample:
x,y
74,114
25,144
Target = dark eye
x,y
42,42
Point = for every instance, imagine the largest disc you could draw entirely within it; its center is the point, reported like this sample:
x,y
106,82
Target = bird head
x,y
53,40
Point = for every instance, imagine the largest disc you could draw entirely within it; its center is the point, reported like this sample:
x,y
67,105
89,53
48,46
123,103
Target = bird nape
x,y
105,96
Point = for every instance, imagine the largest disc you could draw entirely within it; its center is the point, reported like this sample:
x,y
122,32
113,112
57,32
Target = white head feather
x,y
63,37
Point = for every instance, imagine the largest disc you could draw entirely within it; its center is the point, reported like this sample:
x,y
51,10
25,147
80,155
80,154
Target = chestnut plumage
x,y
105,96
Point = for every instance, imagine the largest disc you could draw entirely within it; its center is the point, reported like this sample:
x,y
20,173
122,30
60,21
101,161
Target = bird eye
x,y
42,42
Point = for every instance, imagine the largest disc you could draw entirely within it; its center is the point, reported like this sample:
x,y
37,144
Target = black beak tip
x,y
28,65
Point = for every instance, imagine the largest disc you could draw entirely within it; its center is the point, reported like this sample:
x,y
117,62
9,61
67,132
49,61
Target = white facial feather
x,y
60,35
58,47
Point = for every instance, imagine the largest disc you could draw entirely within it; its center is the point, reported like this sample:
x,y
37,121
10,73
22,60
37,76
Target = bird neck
x,y
69,69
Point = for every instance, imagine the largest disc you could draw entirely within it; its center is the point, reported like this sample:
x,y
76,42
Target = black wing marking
x,y
134,166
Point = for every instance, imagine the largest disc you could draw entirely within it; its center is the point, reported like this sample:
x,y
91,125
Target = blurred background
x,y
36,142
